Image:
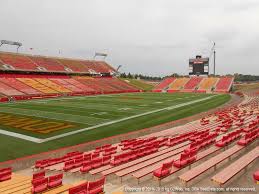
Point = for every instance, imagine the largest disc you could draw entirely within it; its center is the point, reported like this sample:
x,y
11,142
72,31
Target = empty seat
x,y
40,185
55,181
95,187
164,170
79,189
256,176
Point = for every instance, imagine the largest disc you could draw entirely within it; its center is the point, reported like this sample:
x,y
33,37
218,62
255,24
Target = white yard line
x,y
20,136
38,140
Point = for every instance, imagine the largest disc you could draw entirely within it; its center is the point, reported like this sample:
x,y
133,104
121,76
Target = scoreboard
x,y
199,66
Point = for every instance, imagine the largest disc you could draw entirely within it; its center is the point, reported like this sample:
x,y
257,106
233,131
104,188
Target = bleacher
x,y
16,84
23,87
18,62
25,62
9,91
224,84
164,84
52,85
207,84
37,85
25,76
192,84
178,84
195,84
48,64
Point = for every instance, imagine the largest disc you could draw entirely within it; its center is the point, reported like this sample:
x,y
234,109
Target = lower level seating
x,y
224,84
38,86
52,85
198,170
13,82
229,172
9,91
165,83
178,84
91,187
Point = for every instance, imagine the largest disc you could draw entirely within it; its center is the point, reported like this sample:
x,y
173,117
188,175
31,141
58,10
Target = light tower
x,y
18,44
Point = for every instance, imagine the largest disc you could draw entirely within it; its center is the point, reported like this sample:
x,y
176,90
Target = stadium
x,y
77,126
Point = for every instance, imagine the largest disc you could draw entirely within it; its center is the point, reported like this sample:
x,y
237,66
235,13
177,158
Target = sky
x,y
152,37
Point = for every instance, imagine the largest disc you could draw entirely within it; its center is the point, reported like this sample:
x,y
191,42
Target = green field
x,y
98,117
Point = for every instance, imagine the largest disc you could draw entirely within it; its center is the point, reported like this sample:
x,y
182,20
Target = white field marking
x,y
20,136
125,108
158,102
100,113
38,140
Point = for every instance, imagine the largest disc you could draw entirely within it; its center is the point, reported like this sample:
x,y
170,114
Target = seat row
x,y
133,154
40,183
229,138
249,137
91,187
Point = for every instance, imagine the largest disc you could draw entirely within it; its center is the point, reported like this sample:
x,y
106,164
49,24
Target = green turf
x,y
11,148
139,84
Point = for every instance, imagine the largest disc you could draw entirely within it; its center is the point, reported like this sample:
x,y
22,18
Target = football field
x,y
72,120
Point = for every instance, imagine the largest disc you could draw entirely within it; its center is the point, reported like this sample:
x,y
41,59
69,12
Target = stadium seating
x,y
48,64
16,84
9,91
192,83
229,172
91,187
207,84
178,84
74,65
224,84
18,61
165,83
195,84
66,83
52,85
14,61
38,86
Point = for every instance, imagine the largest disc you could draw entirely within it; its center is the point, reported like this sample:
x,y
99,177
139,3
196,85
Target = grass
x,y
139,84
11,148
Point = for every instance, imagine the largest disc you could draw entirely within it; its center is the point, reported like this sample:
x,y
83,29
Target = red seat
x,y
40,185
55,180
38,175
6,175
87,165
78,162
256,175
69,165
182,161
9,169
79,189
116,160
96,187
97,162
106,160
164,170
